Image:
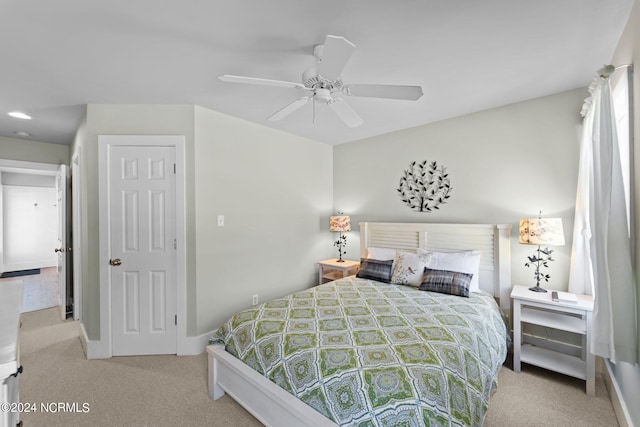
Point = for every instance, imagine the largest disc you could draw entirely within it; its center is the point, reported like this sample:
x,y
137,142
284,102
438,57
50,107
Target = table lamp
x,y
340,223
541,231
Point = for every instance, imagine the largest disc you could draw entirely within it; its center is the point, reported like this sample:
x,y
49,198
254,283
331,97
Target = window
x,y
622,106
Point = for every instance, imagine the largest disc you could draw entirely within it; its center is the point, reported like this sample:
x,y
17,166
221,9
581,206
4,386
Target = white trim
x,y
104,345
616,397
92,349
76,227
192,346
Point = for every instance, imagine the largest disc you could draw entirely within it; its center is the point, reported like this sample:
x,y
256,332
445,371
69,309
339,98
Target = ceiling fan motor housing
x,y
313,80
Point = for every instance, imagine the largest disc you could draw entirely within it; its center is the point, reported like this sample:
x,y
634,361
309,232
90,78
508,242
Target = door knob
x,y
115,262
62,250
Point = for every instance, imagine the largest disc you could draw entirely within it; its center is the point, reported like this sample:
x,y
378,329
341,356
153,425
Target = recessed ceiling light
x,y
19,115
23,134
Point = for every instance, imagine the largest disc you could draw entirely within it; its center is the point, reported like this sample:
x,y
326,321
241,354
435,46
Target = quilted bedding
x,y
365,353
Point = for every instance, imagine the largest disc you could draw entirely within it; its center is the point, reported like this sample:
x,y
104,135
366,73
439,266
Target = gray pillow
x,y
446,282
375,269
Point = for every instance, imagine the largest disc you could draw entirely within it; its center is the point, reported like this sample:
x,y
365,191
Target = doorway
x,y
29,232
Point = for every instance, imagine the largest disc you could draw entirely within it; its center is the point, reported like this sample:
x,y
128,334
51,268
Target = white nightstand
x,y
331,269
538,309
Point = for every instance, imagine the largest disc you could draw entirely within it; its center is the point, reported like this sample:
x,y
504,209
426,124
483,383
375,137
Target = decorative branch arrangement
x,y
538,261
425,186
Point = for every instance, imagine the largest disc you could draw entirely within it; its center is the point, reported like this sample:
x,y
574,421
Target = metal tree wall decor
x,y
424,187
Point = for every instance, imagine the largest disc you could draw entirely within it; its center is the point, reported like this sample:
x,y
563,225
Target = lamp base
x,y
340,260
537,289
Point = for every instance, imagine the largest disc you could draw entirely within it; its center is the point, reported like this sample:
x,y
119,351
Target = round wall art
x,y
425,186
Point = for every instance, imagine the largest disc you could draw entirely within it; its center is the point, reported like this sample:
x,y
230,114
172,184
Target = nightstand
x,y
331,269
538,309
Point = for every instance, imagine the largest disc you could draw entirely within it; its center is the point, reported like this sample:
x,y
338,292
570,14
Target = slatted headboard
x,y
493,241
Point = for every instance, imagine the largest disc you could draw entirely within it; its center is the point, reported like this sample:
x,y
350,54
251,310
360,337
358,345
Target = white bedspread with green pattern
x,y
365,353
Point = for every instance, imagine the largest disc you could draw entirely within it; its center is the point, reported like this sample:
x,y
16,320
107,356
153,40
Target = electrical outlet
x,y
254,300
220,220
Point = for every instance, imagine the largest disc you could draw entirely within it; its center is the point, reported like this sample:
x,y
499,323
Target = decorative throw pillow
x,y
375,269
463,262
446,282
409,268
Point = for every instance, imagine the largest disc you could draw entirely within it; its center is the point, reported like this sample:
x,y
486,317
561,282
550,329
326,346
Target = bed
x,y
360,352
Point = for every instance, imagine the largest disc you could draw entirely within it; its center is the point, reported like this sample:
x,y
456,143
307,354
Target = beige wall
x,y
275,192
505,164
126,120
33,151
274,189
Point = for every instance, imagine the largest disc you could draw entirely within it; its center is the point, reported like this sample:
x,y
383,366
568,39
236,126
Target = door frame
x,y
105,142
64,235
76,230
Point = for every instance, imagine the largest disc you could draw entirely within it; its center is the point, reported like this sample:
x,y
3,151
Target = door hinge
x,y
175,243
174,168
176,319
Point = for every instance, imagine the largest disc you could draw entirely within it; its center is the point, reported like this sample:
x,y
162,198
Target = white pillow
x,y
382,254
462,262
409,268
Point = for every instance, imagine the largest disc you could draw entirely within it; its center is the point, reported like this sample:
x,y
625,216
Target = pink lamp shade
x,y
541,231
340,223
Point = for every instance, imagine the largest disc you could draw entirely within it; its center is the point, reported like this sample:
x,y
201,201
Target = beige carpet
x,y
172,391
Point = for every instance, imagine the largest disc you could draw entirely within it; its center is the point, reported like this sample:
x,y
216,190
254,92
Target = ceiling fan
x,y
323,83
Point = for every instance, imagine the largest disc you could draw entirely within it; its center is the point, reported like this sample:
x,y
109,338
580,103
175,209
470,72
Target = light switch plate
x,y
220,220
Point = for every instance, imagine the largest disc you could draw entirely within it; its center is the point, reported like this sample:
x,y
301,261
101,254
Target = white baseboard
x,y
188,346
92,349
617,400
192,346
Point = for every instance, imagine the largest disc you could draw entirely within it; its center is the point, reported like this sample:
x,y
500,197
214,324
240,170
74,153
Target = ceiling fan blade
x,y
261,82
408,93
335,55
345,112
288,109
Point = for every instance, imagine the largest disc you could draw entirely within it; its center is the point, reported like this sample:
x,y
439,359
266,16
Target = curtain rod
x,y
607,70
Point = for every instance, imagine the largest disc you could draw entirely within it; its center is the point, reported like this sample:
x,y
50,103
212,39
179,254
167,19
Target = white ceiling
x,y
468,55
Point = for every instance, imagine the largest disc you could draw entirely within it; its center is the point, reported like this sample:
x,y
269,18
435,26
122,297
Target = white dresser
x,y
10,307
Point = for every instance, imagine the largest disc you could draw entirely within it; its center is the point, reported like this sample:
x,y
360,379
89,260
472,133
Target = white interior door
x,y
142,239
62,249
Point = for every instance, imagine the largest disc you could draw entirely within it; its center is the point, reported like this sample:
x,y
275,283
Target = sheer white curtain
x,y
601,253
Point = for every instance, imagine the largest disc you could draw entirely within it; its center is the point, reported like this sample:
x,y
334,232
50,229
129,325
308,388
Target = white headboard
x,y
493,241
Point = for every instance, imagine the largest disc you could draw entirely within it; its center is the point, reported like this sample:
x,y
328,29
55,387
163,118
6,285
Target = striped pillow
x,y
446,282
375,269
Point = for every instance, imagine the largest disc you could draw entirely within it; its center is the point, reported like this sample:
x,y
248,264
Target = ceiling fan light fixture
x,y
323,95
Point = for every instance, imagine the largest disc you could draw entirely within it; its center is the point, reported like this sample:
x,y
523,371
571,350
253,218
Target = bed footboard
x,y
270,404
